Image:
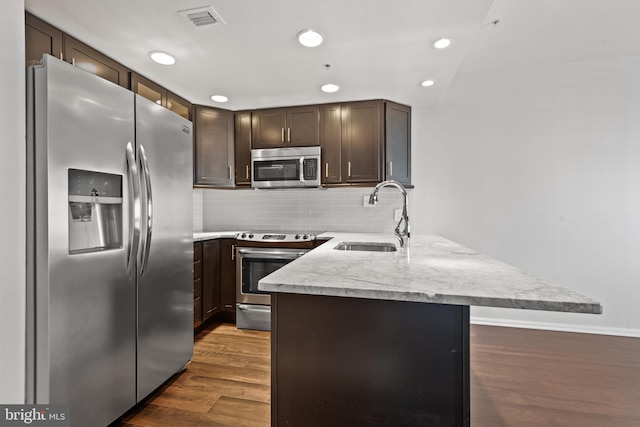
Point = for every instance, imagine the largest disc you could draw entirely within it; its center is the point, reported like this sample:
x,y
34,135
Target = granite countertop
x,y
432,270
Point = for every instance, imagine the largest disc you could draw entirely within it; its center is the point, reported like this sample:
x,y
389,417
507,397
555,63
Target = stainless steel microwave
x,y
293,167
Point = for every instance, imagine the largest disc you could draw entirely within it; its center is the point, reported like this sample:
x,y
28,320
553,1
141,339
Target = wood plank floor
x,y
519,377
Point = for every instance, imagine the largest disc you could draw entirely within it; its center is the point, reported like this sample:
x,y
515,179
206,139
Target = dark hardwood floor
x,y
519,377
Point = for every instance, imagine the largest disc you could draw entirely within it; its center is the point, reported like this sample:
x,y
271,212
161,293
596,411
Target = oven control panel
x,y
276,236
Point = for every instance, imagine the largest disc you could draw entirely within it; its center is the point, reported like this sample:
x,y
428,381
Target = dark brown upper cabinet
x,y
398,142
243,148
91,60
40,38
283,127
213,147
362,133
331,143
161,96
179,106
365,142
148,89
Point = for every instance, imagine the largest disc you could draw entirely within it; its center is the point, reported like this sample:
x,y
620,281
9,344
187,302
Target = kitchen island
x,y
382,338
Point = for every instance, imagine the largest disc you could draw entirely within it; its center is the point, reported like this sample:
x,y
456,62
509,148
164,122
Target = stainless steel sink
x,y
366,246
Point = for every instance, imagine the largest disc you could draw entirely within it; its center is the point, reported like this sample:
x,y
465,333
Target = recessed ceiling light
x,y
442,43
162,57
427,83
310,38
330,88
219,98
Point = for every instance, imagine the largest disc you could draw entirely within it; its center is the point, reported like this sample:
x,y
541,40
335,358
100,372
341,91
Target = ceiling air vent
x,y
202,16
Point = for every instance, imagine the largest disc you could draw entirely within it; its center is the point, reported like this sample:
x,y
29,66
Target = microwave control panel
x,y
310,169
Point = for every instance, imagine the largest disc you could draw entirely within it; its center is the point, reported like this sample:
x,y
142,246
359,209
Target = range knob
x,y
251,235
297,236
305,237
243,235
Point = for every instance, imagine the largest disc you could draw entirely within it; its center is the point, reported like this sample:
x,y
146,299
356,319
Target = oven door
x,y
255,263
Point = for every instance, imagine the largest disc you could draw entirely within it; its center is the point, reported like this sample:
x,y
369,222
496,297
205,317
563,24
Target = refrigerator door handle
x,y
134,212
148,225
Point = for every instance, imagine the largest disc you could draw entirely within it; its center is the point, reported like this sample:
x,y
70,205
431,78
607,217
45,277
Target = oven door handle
x,y
253,307
271,253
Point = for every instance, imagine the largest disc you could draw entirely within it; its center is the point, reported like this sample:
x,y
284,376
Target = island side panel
x,y
353,361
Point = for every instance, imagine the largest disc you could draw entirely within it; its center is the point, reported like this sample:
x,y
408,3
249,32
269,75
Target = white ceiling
x,y
377,48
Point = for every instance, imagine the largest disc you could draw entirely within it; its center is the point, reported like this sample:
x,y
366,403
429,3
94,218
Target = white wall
x,y
12,194
540,168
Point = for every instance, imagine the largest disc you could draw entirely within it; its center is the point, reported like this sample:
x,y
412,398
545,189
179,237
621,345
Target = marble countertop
x,y
197,237
432,270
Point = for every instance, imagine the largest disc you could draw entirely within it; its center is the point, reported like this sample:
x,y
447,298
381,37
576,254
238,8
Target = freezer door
x,y
165,285
83,340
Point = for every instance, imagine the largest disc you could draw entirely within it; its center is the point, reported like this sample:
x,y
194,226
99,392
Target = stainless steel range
x,y
257,255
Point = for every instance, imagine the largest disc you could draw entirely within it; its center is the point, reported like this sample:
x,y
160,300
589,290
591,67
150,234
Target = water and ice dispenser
x,y
95,211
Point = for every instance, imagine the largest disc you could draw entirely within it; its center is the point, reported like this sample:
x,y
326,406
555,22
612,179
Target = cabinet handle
x,y
228,172
348,168
326,170
233,252
247,171
73,61
390,168
282,135
288,134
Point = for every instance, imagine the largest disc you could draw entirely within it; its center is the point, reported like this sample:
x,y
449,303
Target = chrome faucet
x,y
404,234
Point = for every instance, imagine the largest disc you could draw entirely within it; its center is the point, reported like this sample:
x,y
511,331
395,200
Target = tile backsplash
x,y
334,209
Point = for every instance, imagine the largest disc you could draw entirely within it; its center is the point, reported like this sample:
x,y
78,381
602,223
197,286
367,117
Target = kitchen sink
x,y
366,246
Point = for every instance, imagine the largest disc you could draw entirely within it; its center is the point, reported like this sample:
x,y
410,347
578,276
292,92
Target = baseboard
x,y
600,330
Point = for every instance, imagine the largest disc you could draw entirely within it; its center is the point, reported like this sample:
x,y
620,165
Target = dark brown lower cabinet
x,y
228,274
355,362
211,297
214,280
197,284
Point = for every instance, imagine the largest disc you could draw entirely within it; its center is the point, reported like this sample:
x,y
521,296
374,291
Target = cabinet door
x,y
40,38
228,274
197,284
398,142
268,128
210,278
95,62
302,129
213,149
331,143
243,148
362,141
179,106
148,89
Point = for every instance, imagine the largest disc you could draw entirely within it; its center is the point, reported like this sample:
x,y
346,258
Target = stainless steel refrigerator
x,y
110,253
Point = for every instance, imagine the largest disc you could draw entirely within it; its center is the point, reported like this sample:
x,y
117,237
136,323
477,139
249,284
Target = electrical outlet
x,y
397,214
365,202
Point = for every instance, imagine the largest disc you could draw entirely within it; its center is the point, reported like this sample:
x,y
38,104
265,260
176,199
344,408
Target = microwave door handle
x,y
301,168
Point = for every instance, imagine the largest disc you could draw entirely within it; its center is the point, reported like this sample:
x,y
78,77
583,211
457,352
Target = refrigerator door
x,y
165,285
83,340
